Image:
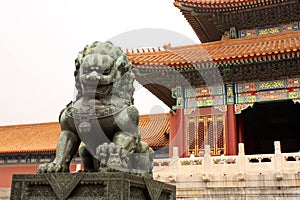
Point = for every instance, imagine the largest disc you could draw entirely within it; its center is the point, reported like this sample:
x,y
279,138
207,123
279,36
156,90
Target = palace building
x,y
240,85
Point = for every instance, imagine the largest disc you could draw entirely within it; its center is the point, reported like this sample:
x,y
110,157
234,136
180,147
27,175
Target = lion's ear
x,y
78,60
120,61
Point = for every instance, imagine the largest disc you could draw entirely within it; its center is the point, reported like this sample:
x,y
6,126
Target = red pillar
x,y
176,132
231,137
240,128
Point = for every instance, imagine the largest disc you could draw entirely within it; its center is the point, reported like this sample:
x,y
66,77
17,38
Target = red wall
x,y
176,132
7,171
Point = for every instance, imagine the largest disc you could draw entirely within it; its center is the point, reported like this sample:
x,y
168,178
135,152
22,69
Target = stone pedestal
x,y
104,186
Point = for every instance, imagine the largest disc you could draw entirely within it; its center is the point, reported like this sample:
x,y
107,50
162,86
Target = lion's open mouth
x,y
98,91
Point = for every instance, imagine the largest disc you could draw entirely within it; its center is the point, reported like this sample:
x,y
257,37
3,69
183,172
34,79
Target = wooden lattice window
x,y
210,132
202,130
200,134
220,133
191,136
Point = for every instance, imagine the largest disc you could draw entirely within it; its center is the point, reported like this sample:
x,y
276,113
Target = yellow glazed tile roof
x,y
242,49
43,137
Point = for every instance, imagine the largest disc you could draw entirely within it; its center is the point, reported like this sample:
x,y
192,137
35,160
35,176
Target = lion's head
x,y
103,69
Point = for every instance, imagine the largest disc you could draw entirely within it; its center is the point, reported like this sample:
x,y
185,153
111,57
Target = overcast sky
x,y
39,41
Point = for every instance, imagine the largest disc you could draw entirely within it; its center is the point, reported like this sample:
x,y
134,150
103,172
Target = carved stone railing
x,y
240,165
268,176
161,162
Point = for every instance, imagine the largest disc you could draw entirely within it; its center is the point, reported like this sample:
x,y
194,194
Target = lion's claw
x,y
52,168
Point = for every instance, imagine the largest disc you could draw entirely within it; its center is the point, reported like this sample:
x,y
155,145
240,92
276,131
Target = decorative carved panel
x,y
102,186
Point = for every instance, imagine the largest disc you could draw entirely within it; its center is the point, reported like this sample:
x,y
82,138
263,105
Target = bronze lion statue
x,y
103,116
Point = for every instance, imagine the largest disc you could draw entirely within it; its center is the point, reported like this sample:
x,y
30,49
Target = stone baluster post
x,y
175,170
170,172
241,161
206,163
175,153
278,160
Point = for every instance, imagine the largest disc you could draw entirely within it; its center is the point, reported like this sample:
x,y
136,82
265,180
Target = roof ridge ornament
x,y
167,46
144,50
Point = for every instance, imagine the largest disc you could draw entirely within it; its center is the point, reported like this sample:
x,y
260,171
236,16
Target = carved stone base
x,y
104,186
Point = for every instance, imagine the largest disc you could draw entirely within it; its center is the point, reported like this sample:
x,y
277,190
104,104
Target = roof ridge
x,y
144,50
154,115
12,151
232,3
272,37
256,39
223,51
42,137
49,123
27,125
237,41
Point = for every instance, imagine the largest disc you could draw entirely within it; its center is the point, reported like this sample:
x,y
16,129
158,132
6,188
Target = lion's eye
x,y
112,55
106,72
85,71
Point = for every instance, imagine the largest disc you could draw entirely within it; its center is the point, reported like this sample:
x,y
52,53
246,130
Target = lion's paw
x,y
52,168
